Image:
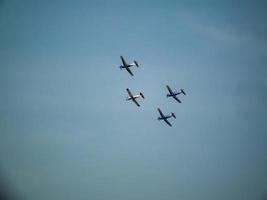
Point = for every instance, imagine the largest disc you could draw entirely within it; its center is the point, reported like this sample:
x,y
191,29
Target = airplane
x,y
166,117
127,66
174,94
134,97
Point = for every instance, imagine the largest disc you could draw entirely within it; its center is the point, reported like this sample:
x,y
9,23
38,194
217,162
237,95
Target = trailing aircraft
x,y
127,66
175,94
134,97
166,117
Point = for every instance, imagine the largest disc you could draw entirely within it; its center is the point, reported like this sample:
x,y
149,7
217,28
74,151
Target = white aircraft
x,y
127,66
166,117
134,97
174,94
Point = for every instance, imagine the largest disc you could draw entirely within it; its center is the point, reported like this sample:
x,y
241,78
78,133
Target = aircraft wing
x,y
130,72
167,122
135,102
132,98
129,92
170,91
123,61
161,114
176,98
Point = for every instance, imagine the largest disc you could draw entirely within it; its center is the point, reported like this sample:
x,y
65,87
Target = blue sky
x,y
66,131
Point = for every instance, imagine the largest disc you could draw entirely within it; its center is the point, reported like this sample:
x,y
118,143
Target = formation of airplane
x,y
134,97
127,66
141,95
175,94
166,117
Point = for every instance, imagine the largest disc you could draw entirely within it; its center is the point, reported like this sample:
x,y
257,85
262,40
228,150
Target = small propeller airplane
x,y
165,117
134,97
127,66
174,94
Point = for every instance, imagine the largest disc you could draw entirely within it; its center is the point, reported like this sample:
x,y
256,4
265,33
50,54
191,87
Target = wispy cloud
x,y
235,32
211,29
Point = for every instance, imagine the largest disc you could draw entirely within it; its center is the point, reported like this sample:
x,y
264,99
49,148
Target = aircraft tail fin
x,y
173,114
136,63
142,95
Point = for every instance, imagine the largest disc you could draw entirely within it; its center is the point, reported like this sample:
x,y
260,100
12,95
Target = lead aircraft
x,y
166,117
175,94
127,66
134,97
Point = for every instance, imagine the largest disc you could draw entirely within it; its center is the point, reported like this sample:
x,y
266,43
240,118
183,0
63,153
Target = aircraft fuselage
x,y
134,97
127,66
165,117
174,94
